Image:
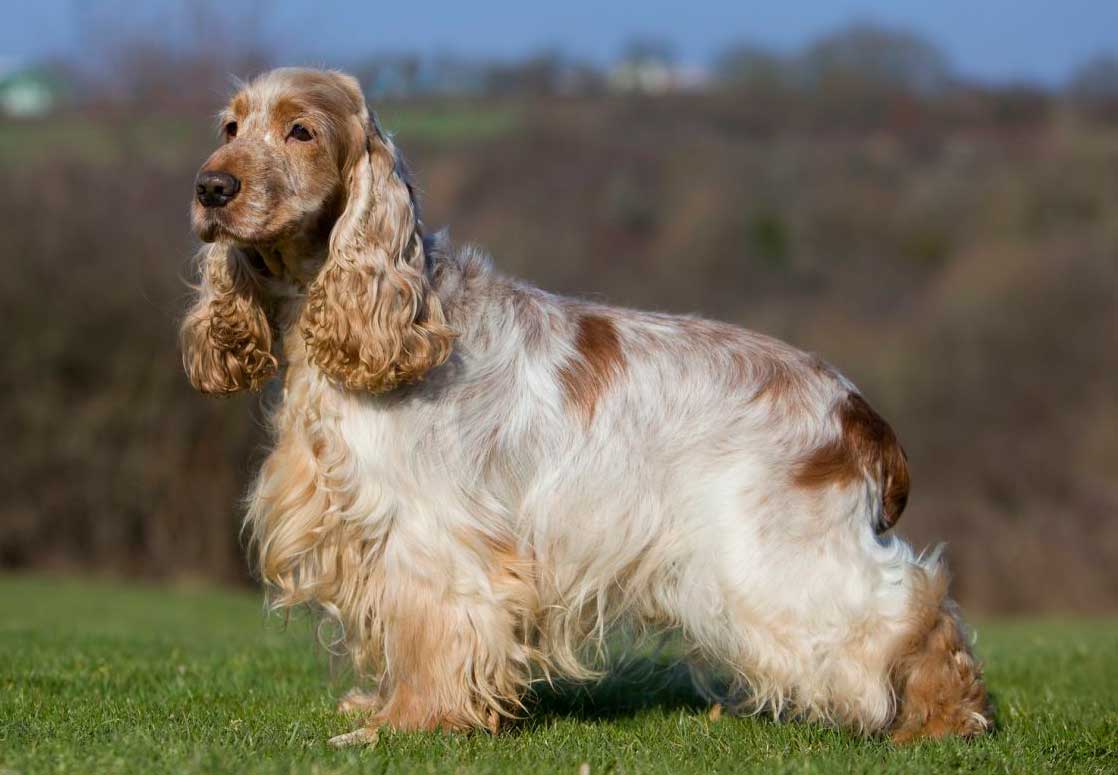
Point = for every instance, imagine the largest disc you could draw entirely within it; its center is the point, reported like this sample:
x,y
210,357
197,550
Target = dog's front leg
x,y
454,656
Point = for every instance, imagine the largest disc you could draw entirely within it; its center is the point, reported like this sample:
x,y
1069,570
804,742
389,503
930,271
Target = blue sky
x,y
988,39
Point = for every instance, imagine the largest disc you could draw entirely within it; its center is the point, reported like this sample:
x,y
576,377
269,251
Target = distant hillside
x,y
956,257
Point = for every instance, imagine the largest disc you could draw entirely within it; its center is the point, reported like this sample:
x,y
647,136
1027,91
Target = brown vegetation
x,y
954,256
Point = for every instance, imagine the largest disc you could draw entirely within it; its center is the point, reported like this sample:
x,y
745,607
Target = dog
x,y
477,479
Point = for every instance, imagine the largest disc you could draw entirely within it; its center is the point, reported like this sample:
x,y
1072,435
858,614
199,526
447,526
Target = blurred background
x,y
926,194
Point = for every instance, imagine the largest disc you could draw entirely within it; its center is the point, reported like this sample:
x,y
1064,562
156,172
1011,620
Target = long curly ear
x,y
371,321
226,338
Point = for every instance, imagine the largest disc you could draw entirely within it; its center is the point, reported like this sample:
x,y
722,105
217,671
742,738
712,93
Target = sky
x,y
992,40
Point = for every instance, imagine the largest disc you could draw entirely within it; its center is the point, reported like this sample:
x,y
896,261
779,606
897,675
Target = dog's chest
x,y
362,454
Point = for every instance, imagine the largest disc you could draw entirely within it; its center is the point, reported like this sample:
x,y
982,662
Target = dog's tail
x,y
867,447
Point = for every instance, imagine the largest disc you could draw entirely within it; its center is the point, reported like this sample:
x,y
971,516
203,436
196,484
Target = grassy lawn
x,y
108,678
167,142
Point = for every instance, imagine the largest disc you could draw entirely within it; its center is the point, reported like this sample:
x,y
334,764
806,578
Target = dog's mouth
x,y
208,229
262,258
290,252
212,225
216,224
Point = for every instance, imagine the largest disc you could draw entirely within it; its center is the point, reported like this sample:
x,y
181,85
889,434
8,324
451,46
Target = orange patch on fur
x,y
599,360
239,106
867,445
511,569
779,382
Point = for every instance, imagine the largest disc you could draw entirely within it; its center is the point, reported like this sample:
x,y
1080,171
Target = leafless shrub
x,y
958,265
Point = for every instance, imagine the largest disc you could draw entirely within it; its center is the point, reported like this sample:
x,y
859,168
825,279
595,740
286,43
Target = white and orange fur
x,y
477,479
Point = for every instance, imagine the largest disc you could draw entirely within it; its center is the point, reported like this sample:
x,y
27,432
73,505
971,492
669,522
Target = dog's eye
x,y
301,133
231,129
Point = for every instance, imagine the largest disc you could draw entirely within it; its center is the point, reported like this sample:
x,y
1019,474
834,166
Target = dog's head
x,y
307,189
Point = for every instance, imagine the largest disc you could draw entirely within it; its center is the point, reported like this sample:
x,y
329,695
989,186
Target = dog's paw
x,y
357,701
363,736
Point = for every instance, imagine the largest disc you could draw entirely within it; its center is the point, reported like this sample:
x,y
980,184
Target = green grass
x,y
108,678
449,123
71,138
166,142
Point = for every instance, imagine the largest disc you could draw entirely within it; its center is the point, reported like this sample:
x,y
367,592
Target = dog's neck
x,y
297,260
287,268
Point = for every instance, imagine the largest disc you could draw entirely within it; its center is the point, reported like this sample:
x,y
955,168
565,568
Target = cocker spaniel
x,y
477,479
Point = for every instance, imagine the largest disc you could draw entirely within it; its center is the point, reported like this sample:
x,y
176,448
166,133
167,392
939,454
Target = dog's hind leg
x,y
828,621
937,680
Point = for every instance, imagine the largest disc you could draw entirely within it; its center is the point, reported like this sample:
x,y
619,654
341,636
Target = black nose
x,y
216,189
